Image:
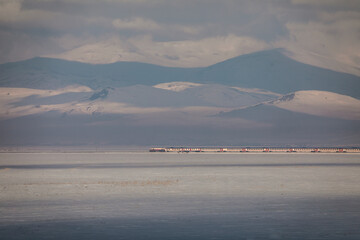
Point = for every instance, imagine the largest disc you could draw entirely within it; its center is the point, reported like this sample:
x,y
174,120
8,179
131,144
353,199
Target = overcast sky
x,y
177,32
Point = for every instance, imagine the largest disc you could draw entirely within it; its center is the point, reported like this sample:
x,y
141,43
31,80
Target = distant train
x,y
256,149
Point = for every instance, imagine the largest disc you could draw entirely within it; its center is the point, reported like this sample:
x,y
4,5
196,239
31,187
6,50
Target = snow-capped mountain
x,y
127,100
254,99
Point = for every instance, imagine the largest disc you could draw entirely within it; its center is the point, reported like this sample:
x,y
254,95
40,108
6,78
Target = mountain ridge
x,y
270,70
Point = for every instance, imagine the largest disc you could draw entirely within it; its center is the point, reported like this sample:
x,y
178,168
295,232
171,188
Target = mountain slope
x,y
15,102
294,106
270,70
286,126
261,125
49,73
321,103
274,71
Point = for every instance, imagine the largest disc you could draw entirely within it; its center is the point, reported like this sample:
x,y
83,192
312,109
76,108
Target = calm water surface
x,y
179,196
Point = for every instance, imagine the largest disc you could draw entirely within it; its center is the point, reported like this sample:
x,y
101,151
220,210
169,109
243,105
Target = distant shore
x,y
72,149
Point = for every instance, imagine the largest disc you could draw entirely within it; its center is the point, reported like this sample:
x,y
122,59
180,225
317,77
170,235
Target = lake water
x,y
179,196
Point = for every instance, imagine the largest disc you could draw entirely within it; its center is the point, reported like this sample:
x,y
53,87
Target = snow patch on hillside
x,y
13,93
181,86
321,103
9,96
177,86
18,102
258,91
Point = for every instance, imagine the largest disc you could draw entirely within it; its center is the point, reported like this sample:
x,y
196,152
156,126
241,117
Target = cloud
x,y
9,10
339,4
183,32
148,26
136,24
16,46
337,38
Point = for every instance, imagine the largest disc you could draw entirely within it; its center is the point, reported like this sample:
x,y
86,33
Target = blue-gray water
x,y
179,196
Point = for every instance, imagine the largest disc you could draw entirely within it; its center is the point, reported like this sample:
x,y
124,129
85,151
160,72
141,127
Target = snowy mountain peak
x,y
321,103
